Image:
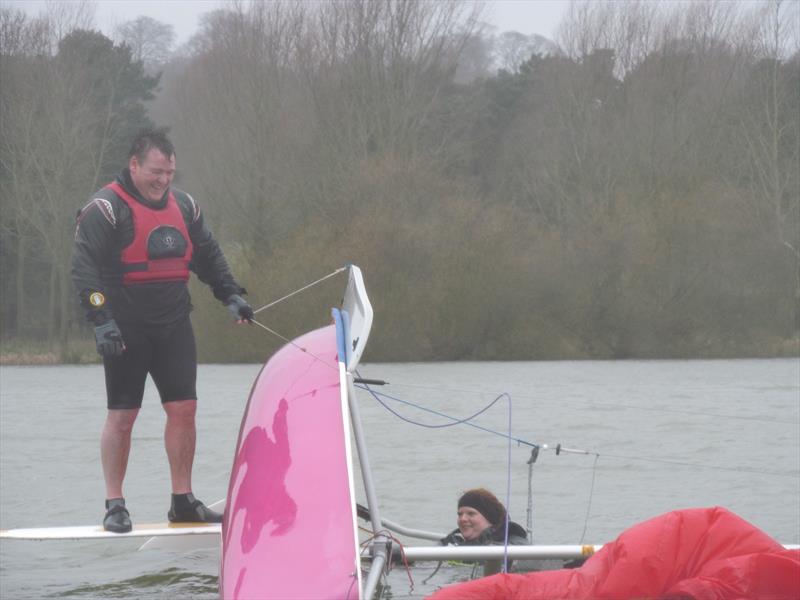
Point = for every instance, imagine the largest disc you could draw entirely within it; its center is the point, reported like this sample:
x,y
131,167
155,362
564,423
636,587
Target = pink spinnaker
x,y
289,530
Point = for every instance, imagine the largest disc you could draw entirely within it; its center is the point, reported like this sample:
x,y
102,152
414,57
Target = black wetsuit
x,y
490,536
154,316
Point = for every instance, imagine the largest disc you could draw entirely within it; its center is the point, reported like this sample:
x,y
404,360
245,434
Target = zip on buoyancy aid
x,y
161,248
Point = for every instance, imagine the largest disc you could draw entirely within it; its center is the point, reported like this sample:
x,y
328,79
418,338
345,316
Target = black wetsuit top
x,y
492,536
105,227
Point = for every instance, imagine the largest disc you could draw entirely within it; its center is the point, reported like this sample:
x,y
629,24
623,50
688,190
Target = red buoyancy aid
x,y
161,248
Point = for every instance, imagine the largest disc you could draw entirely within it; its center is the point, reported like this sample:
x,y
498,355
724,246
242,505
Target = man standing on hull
x,y
135,243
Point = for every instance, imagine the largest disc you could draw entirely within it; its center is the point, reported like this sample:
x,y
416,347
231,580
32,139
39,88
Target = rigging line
x,y
313,283
591,496
435,571
352,583
413,422
508,488
546,447
298,346
388,565
701,465
466,421
608,404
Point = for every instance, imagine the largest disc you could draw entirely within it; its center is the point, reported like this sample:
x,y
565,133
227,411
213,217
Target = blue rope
x,y
508,488
429,426
456,421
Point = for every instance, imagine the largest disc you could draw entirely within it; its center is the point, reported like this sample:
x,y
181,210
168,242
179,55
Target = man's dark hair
x,y
149,139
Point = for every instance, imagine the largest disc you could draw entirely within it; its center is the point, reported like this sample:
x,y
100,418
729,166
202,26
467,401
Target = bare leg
x,y
179,441
115,447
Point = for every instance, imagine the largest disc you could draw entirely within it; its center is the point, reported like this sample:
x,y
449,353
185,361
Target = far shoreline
x,y
790,350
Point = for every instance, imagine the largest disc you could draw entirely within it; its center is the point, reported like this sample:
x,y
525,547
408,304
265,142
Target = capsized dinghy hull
x,y
289,528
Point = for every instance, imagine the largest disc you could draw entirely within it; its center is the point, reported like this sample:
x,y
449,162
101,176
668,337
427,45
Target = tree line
x,y
630,189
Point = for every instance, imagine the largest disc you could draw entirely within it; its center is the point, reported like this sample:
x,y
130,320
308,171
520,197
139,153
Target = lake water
x,y
670,434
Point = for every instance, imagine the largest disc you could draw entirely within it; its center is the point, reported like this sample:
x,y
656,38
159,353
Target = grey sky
x,y
525,16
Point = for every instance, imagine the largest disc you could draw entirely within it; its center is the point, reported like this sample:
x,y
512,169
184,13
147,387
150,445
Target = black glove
x,y
109,339
240,308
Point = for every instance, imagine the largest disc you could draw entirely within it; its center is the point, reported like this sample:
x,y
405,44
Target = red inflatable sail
x,y
702,554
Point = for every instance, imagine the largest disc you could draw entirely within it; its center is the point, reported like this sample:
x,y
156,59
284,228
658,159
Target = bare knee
x,y
120,421
181,412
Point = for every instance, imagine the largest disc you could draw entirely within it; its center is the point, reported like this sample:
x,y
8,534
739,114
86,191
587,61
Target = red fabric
x,y
145,220
702,554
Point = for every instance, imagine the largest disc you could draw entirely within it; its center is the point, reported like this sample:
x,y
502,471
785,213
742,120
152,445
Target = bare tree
x,y
151,41
239,89
475,59
298,94
21,39
770,128
512,49
586,27
65,118
382,67
633,195
64,16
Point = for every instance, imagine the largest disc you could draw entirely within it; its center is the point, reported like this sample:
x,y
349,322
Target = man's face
x,y
152,176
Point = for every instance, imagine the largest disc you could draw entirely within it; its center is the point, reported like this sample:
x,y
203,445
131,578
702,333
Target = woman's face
x,y
471,523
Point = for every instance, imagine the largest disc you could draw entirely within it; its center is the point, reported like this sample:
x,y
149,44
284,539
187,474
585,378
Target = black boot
x,y
186,508
117,518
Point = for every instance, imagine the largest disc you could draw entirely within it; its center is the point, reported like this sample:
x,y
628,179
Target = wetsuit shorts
x,y
168,354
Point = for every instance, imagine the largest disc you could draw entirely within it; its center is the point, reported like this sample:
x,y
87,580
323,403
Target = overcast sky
x,y
525,16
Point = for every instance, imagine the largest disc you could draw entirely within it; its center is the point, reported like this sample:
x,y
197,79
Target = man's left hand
x,y
240,309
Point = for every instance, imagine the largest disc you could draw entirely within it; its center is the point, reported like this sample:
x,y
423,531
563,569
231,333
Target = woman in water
x,y
482,522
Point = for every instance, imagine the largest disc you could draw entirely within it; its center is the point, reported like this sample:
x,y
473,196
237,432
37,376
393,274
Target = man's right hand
x,y
242,311
109,339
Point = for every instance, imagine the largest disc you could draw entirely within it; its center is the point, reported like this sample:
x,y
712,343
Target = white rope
x,y
299,347
336,272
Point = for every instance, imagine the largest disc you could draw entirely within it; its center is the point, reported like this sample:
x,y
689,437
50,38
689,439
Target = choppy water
x,y
650,422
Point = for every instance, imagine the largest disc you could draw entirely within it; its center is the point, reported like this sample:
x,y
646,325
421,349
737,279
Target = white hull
x,y
88,532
